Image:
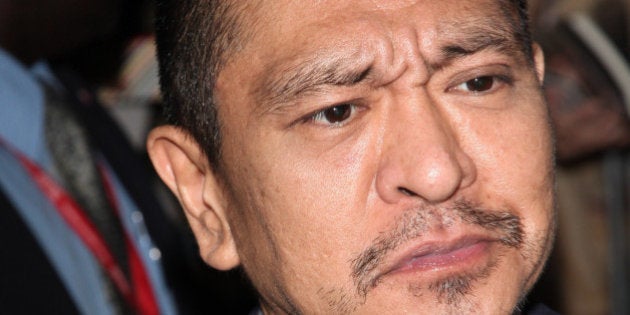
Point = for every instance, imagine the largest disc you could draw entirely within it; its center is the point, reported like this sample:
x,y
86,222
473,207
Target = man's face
x,y
386,157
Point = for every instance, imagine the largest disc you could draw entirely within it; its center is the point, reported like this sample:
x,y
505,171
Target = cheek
x,y
514,158
528,159
305,207
317,199
513,154
512,148
300,217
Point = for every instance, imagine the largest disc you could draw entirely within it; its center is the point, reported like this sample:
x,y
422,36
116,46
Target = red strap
x,y
80,223
141,297
143,294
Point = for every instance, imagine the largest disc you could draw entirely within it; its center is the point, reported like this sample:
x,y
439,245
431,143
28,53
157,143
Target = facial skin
x,y
378,157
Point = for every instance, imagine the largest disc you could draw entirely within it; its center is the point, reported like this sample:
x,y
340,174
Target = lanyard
x,y
138,293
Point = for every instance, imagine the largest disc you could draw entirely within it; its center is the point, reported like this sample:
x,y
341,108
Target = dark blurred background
x,y
587,83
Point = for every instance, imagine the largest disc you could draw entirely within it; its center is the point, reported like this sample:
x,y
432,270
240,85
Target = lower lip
x,y
445,260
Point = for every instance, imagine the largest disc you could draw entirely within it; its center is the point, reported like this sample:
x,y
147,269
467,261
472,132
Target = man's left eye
x,y
478,84
335,115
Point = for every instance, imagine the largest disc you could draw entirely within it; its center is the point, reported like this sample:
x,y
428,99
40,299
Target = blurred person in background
x,y
81,228
73,233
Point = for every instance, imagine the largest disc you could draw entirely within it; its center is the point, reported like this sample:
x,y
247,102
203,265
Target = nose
x,y
421,156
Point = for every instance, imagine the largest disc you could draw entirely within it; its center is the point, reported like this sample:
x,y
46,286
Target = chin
x,y
478,298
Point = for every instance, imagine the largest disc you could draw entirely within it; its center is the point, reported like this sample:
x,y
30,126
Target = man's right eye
x,y
335,115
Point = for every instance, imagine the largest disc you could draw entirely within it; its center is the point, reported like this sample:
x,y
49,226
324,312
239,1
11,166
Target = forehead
x,y
273,22
282,18
279,35
292,14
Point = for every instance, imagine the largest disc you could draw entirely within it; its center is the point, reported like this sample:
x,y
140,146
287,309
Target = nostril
x,y
407,192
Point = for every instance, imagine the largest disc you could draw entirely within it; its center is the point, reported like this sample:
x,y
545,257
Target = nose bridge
x,y
421,156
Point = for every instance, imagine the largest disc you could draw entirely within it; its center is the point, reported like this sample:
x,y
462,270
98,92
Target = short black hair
x,y
194,38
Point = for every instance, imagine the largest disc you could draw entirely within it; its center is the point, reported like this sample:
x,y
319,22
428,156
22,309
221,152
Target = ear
x,y
539,62
184,168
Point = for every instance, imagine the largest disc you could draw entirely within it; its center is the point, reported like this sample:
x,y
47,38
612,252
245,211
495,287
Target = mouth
x,y
434,244
432,256
439,258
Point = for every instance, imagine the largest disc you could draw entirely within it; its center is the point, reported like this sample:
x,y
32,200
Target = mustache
x,y
506,226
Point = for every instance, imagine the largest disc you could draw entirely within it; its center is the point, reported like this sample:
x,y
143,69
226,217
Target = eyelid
x,y
310,117
502,73
498,79
353,112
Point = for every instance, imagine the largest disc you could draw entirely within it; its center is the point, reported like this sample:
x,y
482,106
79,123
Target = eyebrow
x,y
477,39
312,75
282,87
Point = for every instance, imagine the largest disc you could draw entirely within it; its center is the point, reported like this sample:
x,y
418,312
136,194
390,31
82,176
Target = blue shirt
x,y
22,127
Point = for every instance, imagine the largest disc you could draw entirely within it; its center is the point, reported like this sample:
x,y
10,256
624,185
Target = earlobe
x,y
539,62
181,164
